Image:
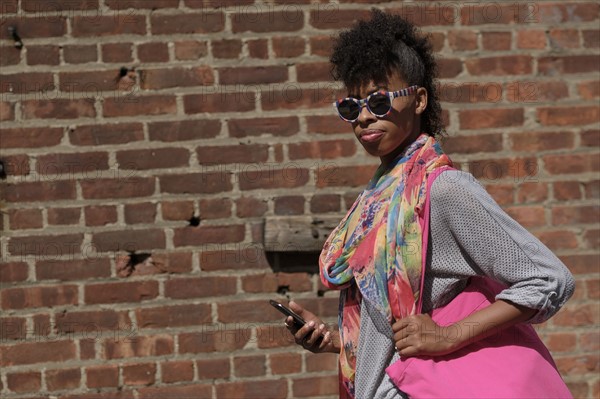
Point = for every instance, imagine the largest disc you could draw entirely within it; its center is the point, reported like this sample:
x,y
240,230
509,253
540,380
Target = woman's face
x,y
386,137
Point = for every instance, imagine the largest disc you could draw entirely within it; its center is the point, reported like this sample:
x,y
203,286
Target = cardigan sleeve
x,y
495,245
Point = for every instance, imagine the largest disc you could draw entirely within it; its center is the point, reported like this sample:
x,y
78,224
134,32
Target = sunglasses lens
x,y
379,104
348,109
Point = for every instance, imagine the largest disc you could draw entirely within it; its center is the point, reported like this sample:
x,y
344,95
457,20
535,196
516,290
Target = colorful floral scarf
x,y
380,260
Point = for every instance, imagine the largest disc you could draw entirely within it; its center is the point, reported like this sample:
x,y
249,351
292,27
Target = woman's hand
x,y
419,335
314,336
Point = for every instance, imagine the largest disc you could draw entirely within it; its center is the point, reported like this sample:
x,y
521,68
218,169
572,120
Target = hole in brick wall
x,y
136,259
283,289
194,221
127,264
294,262
2,171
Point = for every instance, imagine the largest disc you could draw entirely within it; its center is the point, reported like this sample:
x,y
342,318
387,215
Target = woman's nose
x,y
365,115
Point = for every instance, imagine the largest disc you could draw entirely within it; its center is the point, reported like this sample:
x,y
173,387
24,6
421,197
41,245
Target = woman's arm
x,y
419,335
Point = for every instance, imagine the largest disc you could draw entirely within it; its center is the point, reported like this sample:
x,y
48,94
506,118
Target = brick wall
x,y
145,141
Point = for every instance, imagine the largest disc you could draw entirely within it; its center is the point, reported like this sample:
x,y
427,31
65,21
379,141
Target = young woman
x,y
373,256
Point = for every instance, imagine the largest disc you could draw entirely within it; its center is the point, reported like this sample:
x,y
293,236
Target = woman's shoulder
x,y
456,185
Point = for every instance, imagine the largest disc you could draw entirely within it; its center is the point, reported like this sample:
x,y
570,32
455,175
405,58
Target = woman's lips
x,y
369,136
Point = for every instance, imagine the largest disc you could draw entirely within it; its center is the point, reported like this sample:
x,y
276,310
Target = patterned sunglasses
x,y
378,103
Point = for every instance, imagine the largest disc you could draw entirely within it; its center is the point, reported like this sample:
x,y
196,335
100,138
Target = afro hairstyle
x,y
373,50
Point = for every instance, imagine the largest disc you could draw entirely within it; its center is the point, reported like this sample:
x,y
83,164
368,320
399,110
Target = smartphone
x,y
299,321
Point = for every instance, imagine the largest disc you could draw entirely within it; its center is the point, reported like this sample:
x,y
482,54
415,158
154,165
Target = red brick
x,y
30,137
591,38
7,111
289,205
128,240
500,65
187,23
570,214
251,207
287,20
102,376
13,271
68,165
184,130
327,125
46,247
118,133
177,371
91,323
285,363
57,380
313,72
214,339
13,328
293,98
556,240
449,67
252,153
117,24
140,213
532,192
462,40
566,190
89,82
100,215
153,52
473,144
87,348
478,119
226,48
139,374
153,159
253,389
35,27
589,90
564,38
131,105
542,141
220,102
590,138
323,203
24,382
496,41
327,362
64,216
114,292
9,55
176,392
215,208
43,55
71,270
27,82
258,48
249,366
191,236
39,191
33,297
253,75
173,262
58,5
322,149
320,45
138,346
217,3
266,177
37,352
285,47
281,126
196,183
246,311
592,189
528,216
177,210
117,52
137,4
125,187
174,316
558,65
564,116
213,368
531,39
315,386
58,109
201,287
19,219
343,176
153,79
246,257
571,163
190,50
591,239
80,54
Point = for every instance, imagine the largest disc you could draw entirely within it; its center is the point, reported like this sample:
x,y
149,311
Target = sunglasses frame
x,y
365,101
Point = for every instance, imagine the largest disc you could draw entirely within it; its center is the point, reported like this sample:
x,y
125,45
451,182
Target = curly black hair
x,y
372,50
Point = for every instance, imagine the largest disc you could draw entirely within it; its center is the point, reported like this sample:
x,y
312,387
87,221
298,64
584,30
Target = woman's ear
x,y
421,102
